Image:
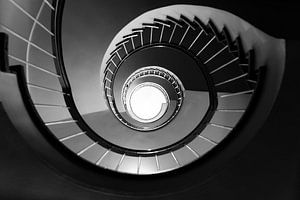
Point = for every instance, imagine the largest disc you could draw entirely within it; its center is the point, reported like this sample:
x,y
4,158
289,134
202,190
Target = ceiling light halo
x,y
147,102
160,89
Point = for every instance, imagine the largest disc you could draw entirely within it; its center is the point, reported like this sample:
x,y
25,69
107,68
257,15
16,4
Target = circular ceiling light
x,y
148,102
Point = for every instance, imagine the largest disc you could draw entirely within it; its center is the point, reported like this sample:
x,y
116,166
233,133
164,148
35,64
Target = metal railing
x,y
35,54
41,72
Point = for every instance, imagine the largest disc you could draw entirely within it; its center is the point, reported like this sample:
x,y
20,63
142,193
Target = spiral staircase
x,y
219,78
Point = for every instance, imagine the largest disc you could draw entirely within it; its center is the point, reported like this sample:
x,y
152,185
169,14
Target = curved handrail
x,y
56,39
66,88
236,144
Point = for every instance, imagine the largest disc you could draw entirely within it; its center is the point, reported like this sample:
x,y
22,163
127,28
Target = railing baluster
x,y
232,79
30,16
71,136
193,151
50,105
101,158
210,141
60,122
86,148
236,93
206,45
221,126
46,88
174,157
25,40
49,4
34,66
222,66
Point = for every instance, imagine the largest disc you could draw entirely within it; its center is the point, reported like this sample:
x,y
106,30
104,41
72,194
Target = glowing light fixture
x,y
148,102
